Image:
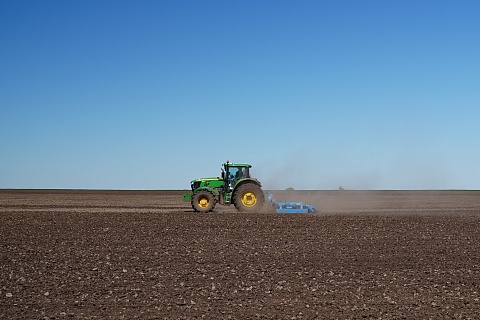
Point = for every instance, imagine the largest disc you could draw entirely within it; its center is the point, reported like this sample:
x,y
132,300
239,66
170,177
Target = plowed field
x,y
74,254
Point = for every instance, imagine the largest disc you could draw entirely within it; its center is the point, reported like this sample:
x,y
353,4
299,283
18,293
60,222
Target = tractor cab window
x,y
236,173
239,174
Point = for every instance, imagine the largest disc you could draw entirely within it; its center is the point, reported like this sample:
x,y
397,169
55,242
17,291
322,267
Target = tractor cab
x,y
233,173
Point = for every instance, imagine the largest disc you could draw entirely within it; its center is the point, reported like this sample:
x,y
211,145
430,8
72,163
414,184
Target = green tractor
x,y
234,187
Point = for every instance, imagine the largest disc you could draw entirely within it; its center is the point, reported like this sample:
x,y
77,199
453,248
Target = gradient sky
x,y
314,94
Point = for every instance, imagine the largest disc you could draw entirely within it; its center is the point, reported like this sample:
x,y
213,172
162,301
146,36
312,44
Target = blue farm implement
x,y
290,207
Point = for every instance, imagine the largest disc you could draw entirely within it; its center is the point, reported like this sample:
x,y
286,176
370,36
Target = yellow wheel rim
x,y
249,199
203,202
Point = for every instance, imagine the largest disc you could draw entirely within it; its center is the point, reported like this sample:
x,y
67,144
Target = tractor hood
x,y
207,179
206,183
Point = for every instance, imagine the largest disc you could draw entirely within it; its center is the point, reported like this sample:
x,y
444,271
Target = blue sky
x,y
314,94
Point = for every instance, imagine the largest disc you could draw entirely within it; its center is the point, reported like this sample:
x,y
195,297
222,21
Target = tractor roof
x,y
238,164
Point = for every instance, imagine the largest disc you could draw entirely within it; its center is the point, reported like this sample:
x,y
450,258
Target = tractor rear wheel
x,y
249,197
203,201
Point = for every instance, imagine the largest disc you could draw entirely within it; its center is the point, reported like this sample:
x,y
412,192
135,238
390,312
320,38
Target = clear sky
x,y
314,94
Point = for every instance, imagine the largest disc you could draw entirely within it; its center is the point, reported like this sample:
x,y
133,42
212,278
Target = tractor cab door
x,y
233,175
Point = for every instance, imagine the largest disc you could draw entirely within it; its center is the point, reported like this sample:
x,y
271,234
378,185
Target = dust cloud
x,y
301,172
364,189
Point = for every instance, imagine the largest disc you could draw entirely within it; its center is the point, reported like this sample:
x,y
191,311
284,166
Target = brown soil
x,y
73,254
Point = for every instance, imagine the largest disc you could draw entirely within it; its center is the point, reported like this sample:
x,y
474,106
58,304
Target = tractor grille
x,y
195,185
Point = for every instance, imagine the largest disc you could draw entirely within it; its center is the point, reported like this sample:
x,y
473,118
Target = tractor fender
x,y
246,180
211,190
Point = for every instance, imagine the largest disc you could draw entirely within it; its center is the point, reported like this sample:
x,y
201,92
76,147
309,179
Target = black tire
x,y
203,201
249,197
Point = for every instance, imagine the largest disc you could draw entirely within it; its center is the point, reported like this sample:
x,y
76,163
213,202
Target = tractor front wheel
x,y
203,201
249,197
